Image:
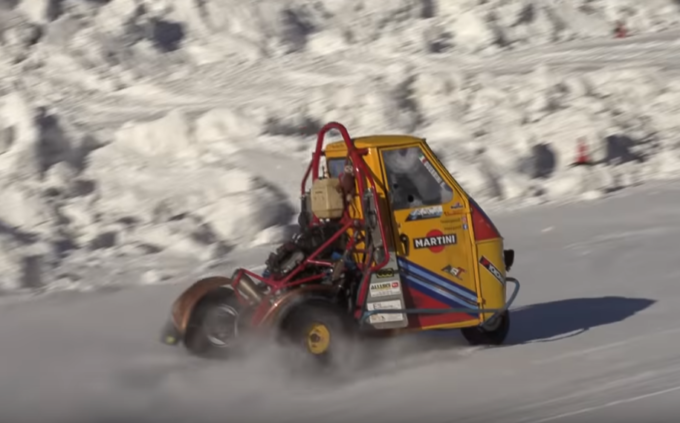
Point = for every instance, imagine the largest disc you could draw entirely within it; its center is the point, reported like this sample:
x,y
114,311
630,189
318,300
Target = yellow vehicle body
x,y
449,253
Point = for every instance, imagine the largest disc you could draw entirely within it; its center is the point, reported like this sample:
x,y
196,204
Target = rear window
x,y
335,166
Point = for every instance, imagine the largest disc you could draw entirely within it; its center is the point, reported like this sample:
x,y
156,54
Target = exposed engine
x,y
293,252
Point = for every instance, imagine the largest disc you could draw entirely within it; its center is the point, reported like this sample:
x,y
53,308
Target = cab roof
x,y
374,141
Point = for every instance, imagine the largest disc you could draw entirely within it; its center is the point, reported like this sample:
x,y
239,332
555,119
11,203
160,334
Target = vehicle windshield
x,y
413,180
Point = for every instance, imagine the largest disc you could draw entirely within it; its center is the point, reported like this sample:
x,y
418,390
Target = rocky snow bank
x,y
126,39
164,185
174,183
515,137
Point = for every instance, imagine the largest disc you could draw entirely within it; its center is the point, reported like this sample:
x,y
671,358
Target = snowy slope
x,y
594,336
130,129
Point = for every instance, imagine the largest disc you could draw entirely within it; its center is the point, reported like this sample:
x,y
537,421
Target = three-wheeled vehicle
x,y
388,242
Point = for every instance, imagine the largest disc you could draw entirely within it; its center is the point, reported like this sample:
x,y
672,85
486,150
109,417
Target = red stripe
x,y
421,300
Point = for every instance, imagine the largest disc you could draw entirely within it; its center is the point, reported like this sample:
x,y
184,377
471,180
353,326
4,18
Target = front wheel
x,y
493,335
321,334
214,326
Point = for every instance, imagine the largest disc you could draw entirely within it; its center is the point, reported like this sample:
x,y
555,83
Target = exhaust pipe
x,y
246,287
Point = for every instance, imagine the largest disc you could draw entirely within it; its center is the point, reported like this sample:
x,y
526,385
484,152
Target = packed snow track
x,y
595,336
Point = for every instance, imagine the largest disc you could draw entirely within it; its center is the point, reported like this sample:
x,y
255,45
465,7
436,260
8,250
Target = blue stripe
x,y
445,283
415,268
449,289
439,295
458,302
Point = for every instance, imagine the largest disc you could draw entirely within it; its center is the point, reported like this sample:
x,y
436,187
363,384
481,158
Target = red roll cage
x,y
365,184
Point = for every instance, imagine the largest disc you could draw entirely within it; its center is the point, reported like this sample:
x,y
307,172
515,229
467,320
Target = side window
x,y
413,180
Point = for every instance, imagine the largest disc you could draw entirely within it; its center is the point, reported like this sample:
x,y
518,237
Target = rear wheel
x,y
321,333
214,326
493,334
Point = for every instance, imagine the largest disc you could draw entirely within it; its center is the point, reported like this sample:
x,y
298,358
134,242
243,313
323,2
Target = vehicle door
x,y
434,249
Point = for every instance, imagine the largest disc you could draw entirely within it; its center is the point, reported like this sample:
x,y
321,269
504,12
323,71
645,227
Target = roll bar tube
x,y
361,171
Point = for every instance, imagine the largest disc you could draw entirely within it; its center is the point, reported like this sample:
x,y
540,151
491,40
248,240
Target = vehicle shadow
x,y
555,320
542,322
535,323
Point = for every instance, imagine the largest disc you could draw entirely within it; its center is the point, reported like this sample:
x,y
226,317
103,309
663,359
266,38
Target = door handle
x,y
406,242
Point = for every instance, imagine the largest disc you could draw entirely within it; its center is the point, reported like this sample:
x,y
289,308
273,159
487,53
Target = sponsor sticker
x,y
452,228
435,241
486,263
385,289
433,172
425,213
385,317
453,210
454,271
451,225
385,273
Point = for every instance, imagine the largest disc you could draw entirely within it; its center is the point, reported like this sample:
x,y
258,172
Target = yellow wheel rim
x,y
318,339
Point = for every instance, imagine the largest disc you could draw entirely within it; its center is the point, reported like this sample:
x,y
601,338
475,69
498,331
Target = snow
x,y
152,142
182,128
594,335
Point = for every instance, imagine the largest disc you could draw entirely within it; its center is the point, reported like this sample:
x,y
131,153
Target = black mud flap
x,y
508,259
